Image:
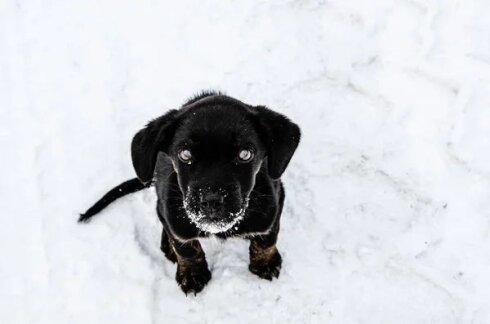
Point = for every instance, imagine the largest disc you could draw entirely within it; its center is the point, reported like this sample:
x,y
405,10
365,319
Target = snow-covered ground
x,y
387,217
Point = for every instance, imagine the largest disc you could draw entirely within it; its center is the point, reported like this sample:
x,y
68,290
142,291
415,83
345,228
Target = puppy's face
x,y
217,146
216,152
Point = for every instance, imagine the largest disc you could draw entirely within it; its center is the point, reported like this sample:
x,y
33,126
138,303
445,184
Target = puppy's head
x,y
217,146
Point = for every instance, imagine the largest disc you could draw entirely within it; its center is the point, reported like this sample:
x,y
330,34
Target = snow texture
x,y
387,215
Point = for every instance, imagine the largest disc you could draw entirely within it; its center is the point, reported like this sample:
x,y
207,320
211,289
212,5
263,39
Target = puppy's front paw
x,y
266,267
192,278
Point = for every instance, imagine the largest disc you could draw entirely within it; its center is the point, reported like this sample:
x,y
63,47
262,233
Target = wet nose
x,y
211,200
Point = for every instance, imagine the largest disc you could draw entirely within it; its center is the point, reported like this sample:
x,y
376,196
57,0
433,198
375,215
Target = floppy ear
x,y
146,144
281,138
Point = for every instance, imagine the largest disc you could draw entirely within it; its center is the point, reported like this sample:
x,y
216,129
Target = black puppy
x,y
216,163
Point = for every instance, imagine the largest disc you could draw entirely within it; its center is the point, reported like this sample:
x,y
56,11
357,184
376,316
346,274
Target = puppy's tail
x,y
127,187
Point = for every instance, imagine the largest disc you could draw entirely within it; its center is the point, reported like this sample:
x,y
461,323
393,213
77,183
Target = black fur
x,y
201,95
123,189
214,192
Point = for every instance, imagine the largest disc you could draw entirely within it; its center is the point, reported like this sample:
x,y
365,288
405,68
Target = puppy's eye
x,y
185,156
245,155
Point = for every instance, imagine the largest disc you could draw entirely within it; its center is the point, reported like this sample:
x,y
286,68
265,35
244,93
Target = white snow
x,y
387,216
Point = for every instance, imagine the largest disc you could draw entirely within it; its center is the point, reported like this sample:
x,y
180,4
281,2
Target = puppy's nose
x,y
212,200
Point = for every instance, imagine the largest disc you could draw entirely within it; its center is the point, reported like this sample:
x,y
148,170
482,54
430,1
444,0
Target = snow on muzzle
x,y
214,211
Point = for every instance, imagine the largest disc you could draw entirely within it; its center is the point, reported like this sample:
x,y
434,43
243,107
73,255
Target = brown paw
x,y
192,278
268,268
